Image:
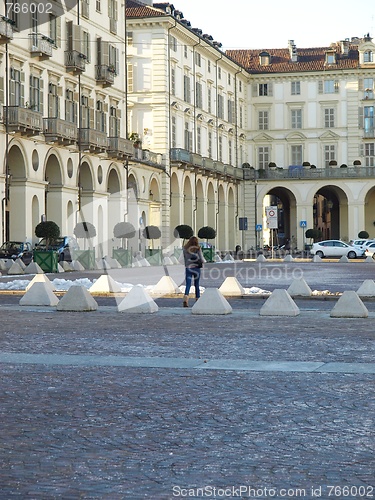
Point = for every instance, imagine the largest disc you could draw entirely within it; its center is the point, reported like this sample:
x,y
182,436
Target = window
x,y
229,79
230,111
70,106
230,152
263,156
198,94
370,154
295,88
208,66
85,112
219,73
240,86
329,154
53,28
85,8
114,122
174,132
329,118
330,58
199,140
36,103
187,88
16,88
263,120
53,101
185,51
264,89
328,87
113,58
187,137
368,123
220,148
173,81
369,88
220,106
296,118
241,117
100,117
209,100
112,14
86,44
173,43
368,56
210,144
98,6
296,154
14,12
198,59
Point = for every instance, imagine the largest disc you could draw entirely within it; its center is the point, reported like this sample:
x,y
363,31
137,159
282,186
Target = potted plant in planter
x,y
207,233
306,164
137,142
314,235
363,235
333,163
154,255
272,164
356,163
123,230
46,258
182,231
87,231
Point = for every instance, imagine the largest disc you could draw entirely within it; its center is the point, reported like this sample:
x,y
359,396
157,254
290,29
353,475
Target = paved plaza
x,y
108,405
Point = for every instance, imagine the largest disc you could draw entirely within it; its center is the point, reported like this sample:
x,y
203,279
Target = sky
x,y
246,24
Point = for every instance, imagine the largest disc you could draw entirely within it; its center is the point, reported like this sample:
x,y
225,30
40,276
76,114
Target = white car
x,y
362,244
370,250
335,248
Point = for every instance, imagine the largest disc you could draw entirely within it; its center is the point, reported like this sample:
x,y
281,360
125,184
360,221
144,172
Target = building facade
x,y
117,112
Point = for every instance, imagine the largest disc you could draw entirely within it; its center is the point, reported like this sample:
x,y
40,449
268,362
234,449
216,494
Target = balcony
x,y
180,155
92,140
23,120
59,131
209,164
120,148
41,45
6,29
75,62
151,157
104,74
352,172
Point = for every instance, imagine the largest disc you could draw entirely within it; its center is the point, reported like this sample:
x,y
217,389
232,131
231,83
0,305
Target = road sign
x,y
271,216
302,223
258,227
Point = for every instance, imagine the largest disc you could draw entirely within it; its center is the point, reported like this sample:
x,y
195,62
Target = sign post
x,y
303,224
243,227
272,223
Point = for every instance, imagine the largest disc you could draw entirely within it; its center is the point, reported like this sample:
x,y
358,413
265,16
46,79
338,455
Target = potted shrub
x,y
183,231
363,235
333,163
344,165
47,259
137,142
357,163
154,255
272,164
314,235
85,230
207,233
125,231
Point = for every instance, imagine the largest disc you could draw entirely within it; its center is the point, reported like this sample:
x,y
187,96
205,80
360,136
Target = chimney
x,y
292,51
344,44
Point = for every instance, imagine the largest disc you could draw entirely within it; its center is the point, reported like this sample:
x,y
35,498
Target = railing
x,y
196,159
75,61
40,45
6,29
208,163
25,118
178,154
151,157
91,138
311,173
120,147
56,128
219,167
104,74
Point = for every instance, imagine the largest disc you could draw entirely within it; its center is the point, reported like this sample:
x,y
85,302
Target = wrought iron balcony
x,y
92,140
151,157
75,62
23,120
105,74
120,148
180,155
357,172
61,131
41,45
6,29
209,164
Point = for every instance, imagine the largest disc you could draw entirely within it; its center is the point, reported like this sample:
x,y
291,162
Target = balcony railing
x,y
58,130
23,120
120,148
41,45
151,157
6,29
93,140
105,74
178,154
209,164
310,173
75,61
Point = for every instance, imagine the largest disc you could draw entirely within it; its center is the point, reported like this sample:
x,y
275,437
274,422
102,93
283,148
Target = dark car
x,y
65,247
16,249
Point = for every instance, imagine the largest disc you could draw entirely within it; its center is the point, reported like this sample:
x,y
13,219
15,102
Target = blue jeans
x,y
190,273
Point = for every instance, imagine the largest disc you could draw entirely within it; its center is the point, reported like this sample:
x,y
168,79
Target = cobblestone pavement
x,y
104,431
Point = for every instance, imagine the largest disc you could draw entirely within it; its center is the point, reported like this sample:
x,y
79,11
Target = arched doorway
x,y
115,212
188,203
175,203
53,208
330,213
221,222
200,206
286,232
17,211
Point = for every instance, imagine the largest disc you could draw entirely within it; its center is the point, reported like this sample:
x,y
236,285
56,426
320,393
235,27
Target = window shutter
x,y
361,150
255,90
92,118
360,117
337,86
117,54
320,87
105,53
22,90
130,78
1,91
270,89
360,85
41,98
77,38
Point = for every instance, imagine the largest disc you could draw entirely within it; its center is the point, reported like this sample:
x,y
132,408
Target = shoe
x,y
186,301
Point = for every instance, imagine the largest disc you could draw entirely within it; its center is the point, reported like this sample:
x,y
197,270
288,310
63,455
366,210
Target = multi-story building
x,y
113,113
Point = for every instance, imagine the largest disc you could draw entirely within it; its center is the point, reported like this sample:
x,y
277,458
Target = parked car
x,y
362,244
64,246
370,250
16,249
336,248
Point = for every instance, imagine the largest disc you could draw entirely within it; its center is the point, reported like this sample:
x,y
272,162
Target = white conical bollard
x,y
279,303
349,305
367,289
15,268
105,284
41,278
261,258
33,268
211,302
344,258
288,258
78,299
231,286
165,286
21,263
299,288
67,266
40,294
77,266
138,301
316,258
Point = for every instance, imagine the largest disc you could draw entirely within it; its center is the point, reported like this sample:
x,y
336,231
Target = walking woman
x,y
194,260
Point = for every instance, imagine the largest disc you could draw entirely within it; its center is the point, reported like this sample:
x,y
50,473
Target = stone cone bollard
x,y
212,302
349,305
40,294
138,301
279,303
78,299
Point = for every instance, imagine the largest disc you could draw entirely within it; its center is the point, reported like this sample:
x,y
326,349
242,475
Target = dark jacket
x,y
193,257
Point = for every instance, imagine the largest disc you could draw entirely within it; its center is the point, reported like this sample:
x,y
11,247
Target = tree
x,y
124,230
313,234
207,233
363,235
151,233
48,230
84,230
183,231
